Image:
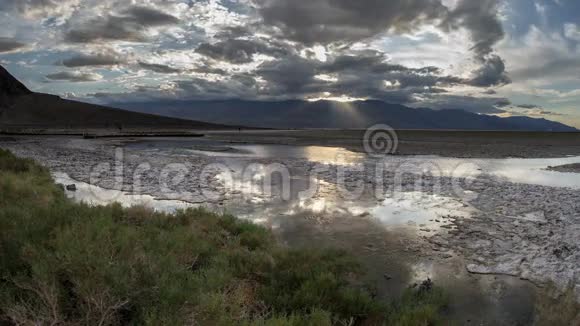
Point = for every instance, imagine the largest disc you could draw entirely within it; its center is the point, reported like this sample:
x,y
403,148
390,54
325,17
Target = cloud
x,y
40,8
9,44
239,51
149,16
365,74
97,59
557,67
130,25
491,73
346,21
542,58
483,105
329,21
540,112
293,76
416,52
502,103
481,19
159,68
74,76
528,106
531,110
572,32
343,21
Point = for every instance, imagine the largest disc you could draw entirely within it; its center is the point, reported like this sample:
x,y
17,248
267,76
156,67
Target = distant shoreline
x,y
460,144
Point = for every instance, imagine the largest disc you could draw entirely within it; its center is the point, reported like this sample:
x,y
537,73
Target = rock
x,y
426,286
562,251
71,187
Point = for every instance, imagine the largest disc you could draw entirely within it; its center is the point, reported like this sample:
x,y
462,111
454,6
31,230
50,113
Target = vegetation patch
x,y
64,263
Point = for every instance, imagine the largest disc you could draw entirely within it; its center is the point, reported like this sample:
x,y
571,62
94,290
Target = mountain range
x,y
297,114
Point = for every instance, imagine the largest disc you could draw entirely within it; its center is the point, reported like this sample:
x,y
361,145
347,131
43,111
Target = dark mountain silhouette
x,y
22,108
328,114
10,88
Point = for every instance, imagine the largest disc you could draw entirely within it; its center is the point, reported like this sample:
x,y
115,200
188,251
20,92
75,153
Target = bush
x,y
68,263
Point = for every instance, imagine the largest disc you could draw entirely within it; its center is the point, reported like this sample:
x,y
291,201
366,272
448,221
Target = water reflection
x,y
315,154
93,195
429,212
516,170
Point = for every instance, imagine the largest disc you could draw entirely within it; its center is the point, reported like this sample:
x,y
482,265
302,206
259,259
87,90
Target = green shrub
x,y
68,263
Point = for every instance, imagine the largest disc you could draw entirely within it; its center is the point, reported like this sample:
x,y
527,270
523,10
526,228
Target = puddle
x,y
428,212
524,171
93,195
316,154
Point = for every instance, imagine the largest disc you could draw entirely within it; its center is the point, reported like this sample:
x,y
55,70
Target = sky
x,y
499,57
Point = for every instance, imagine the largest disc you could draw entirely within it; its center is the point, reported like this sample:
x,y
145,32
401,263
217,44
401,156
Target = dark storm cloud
x,y
159,68
293,75
491,73
239,51
502,103
328,21
9,44
74,77
149,16
372,61
232,32
373,65
208,69
238,87
129,25
481,19
345,21
98,59
528,106
363,74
